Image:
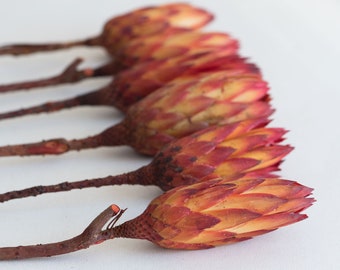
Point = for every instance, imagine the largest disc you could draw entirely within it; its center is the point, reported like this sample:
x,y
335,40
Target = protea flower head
x,y
185,106
152,21
218,212
229,151
120,30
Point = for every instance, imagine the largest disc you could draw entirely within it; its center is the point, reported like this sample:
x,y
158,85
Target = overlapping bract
x,y
185,106
172,44
140,80
228,151
218,212
151,21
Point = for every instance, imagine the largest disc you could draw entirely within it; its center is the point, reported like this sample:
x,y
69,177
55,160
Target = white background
x,y
297,45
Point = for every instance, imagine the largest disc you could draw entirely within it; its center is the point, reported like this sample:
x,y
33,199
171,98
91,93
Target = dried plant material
x,y
229,151
173,111
122,29
199,216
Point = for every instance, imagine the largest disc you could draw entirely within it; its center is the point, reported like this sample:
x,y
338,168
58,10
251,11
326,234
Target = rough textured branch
x,y
92,235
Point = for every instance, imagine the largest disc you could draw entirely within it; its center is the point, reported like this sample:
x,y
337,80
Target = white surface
x,y
296,44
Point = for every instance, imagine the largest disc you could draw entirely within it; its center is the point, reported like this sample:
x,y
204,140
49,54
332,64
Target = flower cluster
x,y
195,105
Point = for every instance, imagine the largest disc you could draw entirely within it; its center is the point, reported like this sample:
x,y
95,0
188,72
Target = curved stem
x,y
22,49
92,235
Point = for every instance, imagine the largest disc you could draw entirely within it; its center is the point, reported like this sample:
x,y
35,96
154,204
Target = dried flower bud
x,y
227,151
218,212
150,21
184,107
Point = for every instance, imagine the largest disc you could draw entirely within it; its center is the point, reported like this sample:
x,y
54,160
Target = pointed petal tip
x,y
300,217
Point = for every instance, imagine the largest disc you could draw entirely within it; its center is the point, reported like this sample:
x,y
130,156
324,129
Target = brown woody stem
x,y
69,75
93,234
116,135
46,107
21,49
102,96
141,176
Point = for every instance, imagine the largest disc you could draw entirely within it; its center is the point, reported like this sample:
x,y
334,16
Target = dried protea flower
x,y
132,85
122,29
199,216
176,110
228,151
211,99
152,21
219,212
165,46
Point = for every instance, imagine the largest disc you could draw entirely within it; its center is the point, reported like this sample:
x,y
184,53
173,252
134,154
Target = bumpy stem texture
x,y
46,108
103,96
142,176
69,75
